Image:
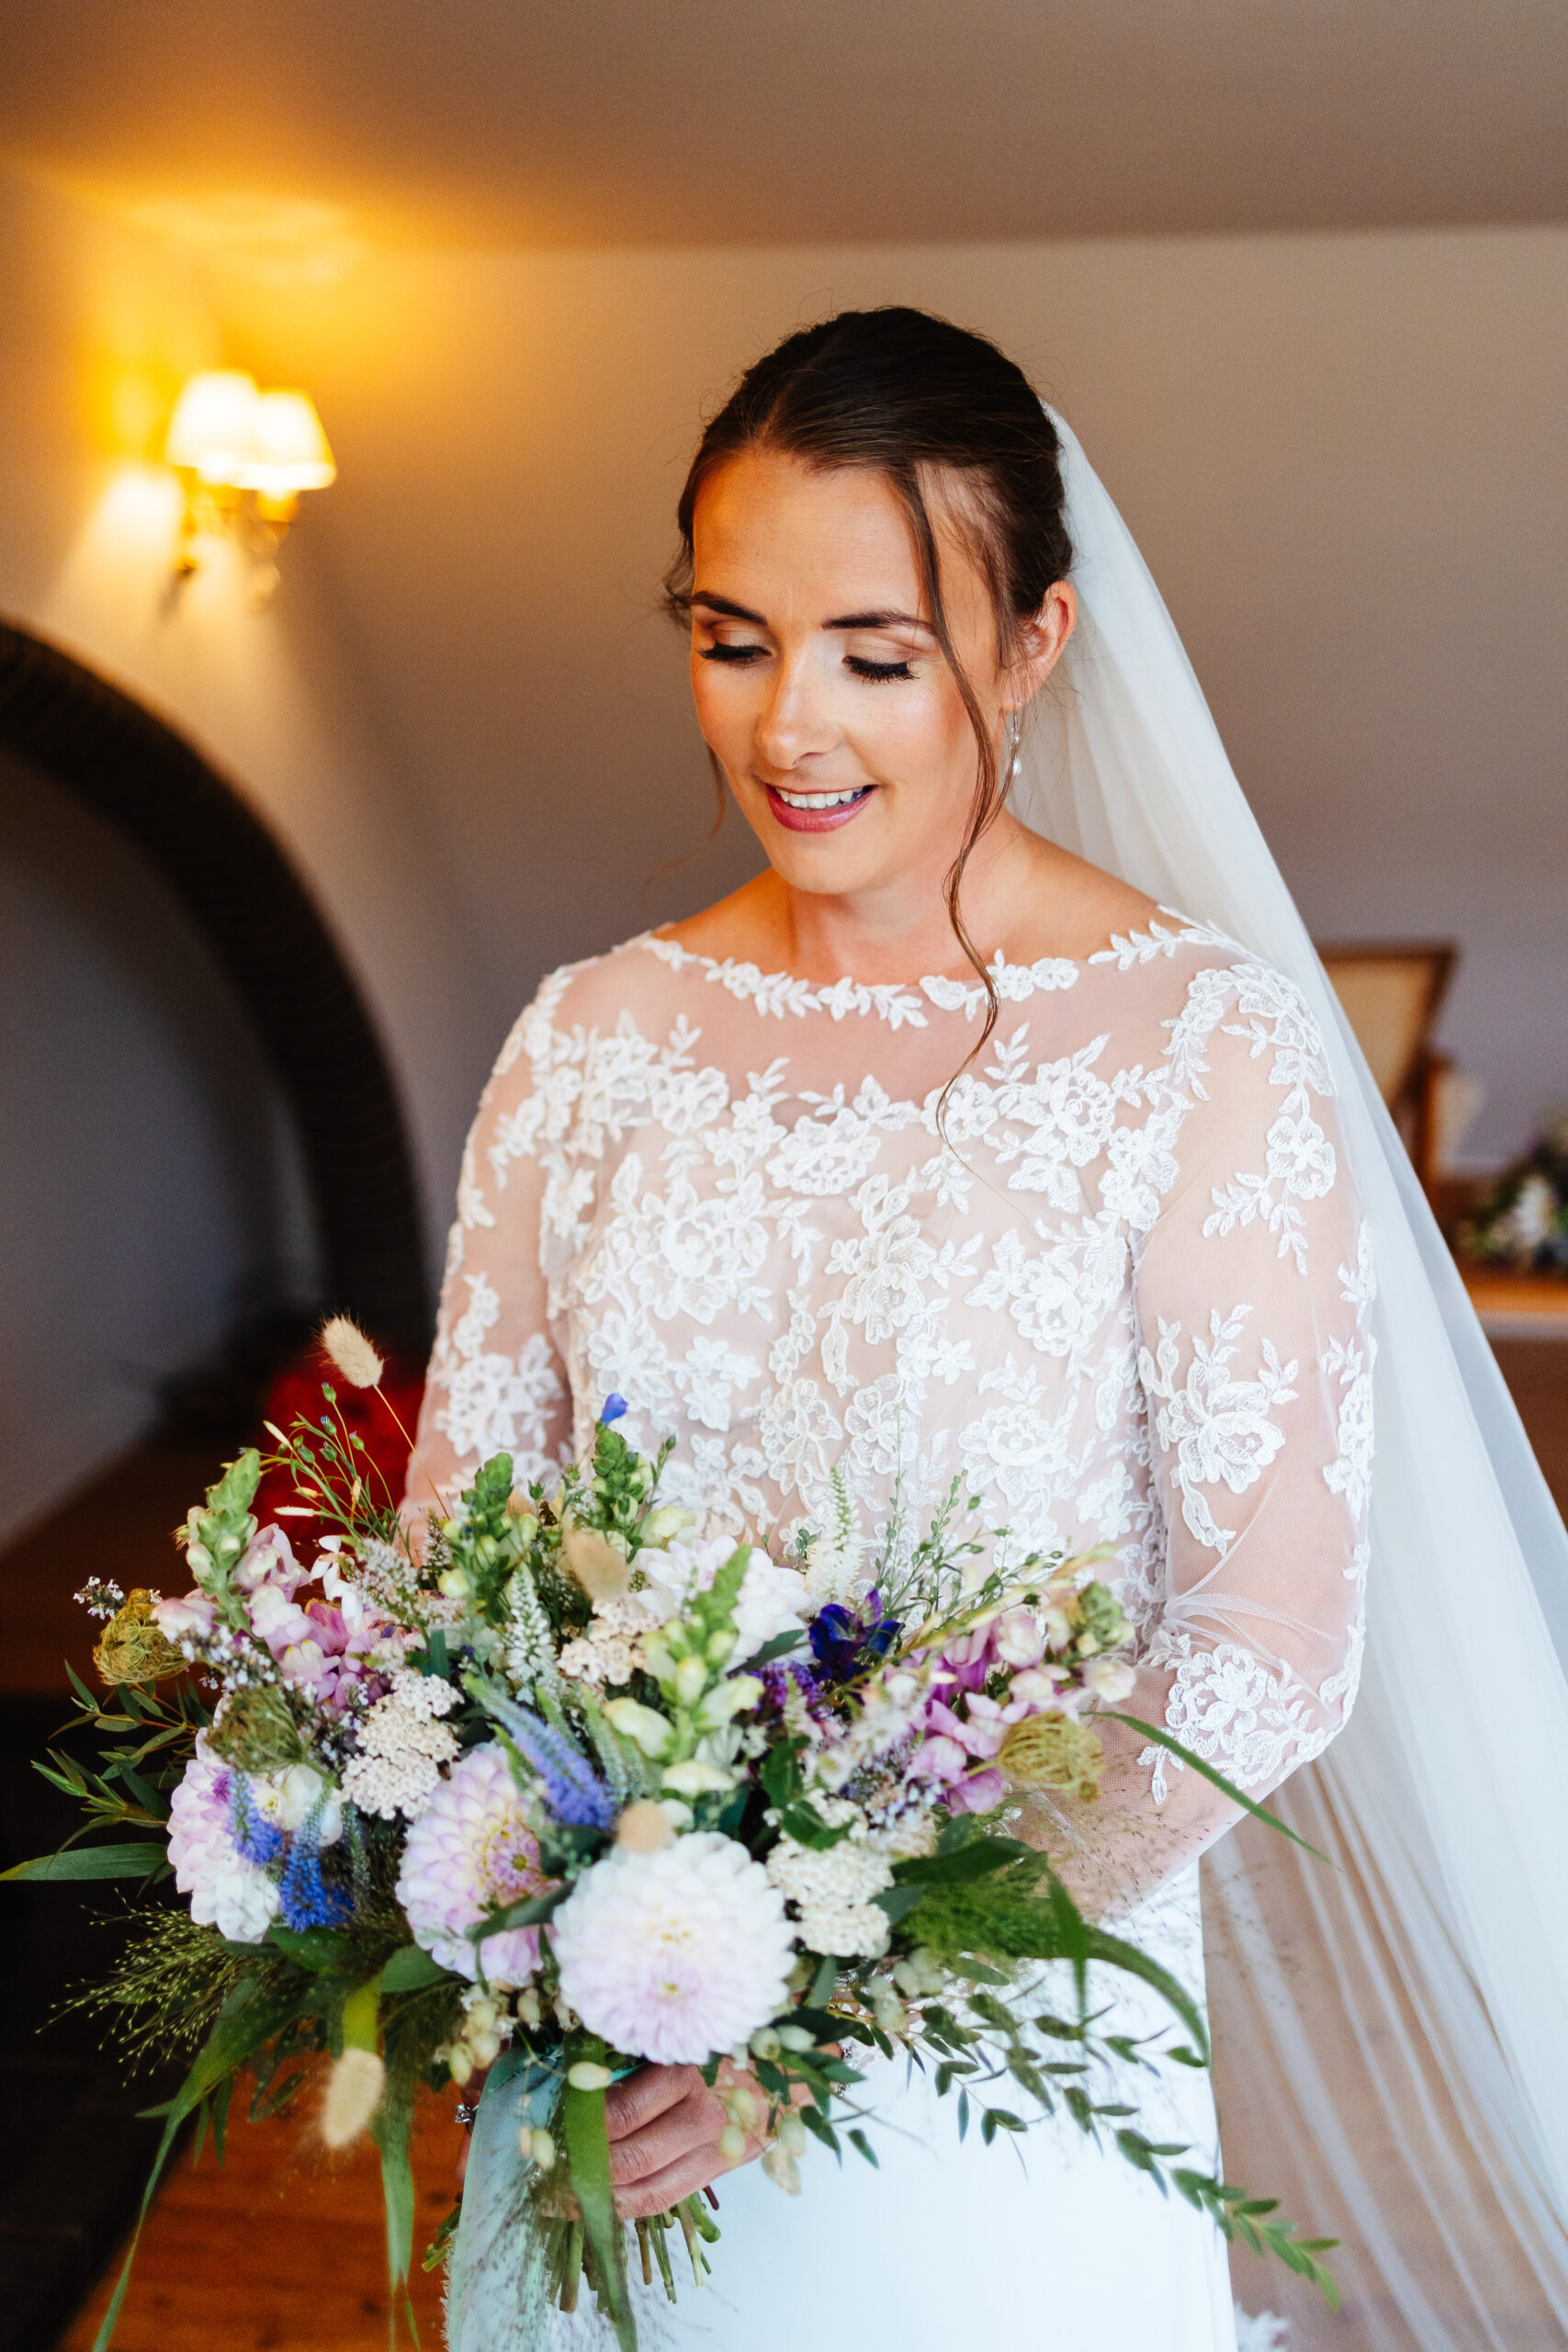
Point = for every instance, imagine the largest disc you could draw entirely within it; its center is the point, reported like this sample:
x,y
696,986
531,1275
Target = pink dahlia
x,y
226,1891
470,1849
674,1954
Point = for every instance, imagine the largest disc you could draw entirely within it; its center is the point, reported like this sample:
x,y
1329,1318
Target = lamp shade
x,y
213,429
290,451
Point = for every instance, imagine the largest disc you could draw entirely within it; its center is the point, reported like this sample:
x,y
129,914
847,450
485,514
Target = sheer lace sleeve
x,y
1253,1292
496,1380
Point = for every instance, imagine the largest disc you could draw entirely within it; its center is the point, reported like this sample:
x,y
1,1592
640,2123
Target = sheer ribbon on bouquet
x,y
1392,2031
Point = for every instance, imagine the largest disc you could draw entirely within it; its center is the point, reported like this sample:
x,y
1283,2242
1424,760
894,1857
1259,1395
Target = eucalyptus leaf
x,y
411,1970
136,1860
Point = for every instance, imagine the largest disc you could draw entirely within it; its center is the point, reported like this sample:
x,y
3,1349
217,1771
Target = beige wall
x,y
1344,456
146,1178
98,327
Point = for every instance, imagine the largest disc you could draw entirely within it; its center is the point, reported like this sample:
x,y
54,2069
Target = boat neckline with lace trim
x,y
905,1000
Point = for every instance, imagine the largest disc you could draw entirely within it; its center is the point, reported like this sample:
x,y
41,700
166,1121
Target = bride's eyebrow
x,y
729,610
878,620
724,605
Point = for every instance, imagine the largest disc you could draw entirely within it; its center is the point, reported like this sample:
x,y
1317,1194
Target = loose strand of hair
x,y
986,802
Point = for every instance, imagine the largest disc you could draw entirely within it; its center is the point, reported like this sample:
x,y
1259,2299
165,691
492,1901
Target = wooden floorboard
x,y
282,2250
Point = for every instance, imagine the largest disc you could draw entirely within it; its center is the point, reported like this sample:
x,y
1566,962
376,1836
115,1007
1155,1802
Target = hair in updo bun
x,y
905,394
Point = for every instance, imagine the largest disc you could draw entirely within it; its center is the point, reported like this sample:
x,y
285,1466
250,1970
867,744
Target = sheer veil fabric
x,y
1392,2030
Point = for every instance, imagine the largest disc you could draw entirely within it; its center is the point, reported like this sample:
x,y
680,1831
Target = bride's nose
x,y
794,720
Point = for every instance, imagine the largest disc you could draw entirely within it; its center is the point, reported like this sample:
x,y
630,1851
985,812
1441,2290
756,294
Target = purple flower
x,y
307,1901
572,1789
846,1643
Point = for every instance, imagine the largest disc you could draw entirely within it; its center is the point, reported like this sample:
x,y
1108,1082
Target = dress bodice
x,y
1113,1283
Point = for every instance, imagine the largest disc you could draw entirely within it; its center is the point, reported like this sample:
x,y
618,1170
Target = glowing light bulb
x,y
291,451
212,433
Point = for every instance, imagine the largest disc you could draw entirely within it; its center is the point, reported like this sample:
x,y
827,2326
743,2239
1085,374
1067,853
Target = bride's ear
x,y
1042,640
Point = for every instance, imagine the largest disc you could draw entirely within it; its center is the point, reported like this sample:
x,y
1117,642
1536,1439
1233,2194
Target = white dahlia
x,y
225,1892
470,1849
674,1954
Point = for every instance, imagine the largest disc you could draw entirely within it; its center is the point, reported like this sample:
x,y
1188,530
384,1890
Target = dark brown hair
x,y
903,395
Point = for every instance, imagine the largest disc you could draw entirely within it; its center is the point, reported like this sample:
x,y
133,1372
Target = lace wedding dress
x,y
1125,1300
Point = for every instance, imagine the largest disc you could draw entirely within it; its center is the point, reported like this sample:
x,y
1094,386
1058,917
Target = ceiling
x,y
743,121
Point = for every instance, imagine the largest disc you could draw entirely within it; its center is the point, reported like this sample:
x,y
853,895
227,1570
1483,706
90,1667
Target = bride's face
x,y
820,684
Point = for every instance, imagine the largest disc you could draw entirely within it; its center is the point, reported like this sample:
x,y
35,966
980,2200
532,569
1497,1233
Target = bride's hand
x,y
664,2126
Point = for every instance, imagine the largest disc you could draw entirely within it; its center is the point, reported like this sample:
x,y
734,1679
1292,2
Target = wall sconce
x,y
243,456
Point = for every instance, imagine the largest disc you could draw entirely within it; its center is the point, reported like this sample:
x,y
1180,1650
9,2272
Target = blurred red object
x,y
372,1415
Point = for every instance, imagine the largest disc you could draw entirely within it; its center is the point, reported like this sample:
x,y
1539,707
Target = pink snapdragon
x,y
191,1617
330,1651
959,1747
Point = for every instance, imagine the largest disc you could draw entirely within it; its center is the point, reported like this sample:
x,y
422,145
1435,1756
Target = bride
x,y
938,1149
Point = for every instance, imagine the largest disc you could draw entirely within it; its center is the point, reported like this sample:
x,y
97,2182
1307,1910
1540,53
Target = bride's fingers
x,y
630,2105
695,2122
662,2189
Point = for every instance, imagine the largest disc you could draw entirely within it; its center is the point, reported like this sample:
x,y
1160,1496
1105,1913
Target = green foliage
x,y
152,1738
260,1729
587,2141
1199,1765
167,1985
136,1860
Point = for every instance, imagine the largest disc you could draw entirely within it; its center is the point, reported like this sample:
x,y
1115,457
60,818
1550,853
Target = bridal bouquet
x,y
559,1785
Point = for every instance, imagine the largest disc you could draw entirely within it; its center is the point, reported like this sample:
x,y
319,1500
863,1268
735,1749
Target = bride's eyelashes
x,y
871,673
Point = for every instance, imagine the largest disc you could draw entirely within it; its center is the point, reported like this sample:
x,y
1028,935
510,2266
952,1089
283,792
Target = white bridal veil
x,y
1392,2030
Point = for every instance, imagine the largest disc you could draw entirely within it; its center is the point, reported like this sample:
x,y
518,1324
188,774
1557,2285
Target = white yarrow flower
x,y
675,1953
831,1887
402,1748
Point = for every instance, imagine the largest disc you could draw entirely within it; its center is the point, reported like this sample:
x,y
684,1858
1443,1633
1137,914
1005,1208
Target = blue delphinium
x,y
847,1643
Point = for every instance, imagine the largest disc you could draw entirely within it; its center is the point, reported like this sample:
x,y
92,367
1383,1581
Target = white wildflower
x,y
351,1352
773,1598
402,1748
530,1650
831,1887
675,1953
354,2093
226,1891
833,1558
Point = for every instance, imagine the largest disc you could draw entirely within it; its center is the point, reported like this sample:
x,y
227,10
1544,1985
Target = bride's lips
x,y
817,821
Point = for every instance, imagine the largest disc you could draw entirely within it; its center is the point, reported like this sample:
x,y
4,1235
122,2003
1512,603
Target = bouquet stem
x,y
587,2137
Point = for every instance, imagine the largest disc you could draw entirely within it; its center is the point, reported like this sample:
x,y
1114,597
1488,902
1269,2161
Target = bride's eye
x,y
722,652
875,671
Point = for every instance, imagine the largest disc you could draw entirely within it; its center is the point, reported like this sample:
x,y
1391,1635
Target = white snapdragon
x,y
773,1599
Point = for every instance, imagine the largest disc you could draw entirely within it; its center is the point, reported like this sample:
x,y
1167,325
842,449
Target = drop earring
x,y
1014,755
